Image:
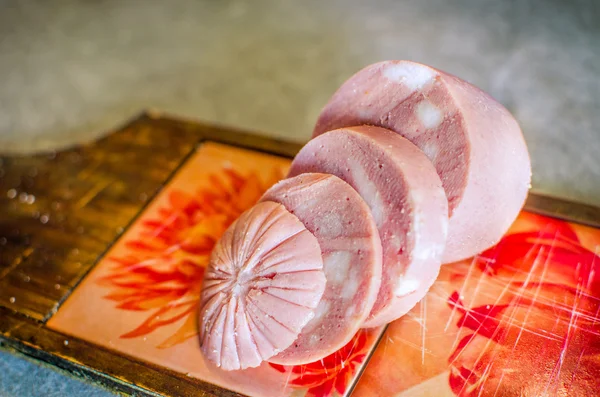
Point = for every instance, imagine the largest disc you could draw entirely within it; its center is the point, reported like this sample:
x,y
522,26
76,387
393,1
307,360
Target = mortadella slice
x,y
342,223
262,286
406,198
474,143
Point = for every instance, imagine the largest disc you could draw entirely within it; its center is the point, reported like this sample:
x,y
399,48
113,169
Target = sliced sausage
x,y
342,223
406,198
262,286
474,143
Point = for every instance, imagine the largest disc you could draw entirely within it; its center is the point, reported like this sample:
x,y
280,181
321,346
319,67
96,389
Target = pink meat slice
x,y
474,143
262,286
342,223
406,198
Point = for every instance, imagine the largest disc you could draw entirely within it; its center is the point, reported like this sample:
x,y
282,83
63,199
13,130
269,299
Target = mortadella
x,y
344,227
474,143
407,201
263,284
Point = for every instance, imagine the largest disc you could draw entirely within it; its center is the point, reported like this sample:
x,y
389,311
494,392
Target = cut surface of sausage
x,y
344,227
474,143
406,198
262,286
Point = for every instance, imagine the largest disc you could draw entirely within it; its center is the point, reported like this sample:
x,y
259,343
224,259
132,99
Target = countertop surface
x,y
72,70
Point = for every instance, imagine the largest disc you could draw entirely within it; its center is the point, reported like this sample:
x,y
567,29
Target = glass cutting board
x,y
103,249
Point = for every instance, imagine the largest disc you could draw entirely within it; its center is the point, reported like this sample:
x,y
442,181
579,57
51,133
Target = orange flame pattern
x,y
163,269
333,373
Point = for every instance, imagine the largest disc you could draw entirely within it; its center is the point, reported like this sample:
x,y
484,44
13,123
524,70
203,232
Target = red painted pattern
x,y
541,335
163,269
333,373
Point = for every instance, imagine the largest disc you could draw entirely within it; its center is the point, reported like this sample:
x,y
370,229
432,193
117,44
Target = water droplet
x,y
44,219
487,306
74,251
27,279
23,197
55,205
56,286
143,197
11,194
75,157
36,215
3,240
30,199
144,339
120,229
188,374
12,299
66,343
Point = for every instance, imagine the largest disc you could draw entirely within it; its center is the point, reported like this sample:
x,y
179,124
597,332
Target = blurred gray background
x,y
72,70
